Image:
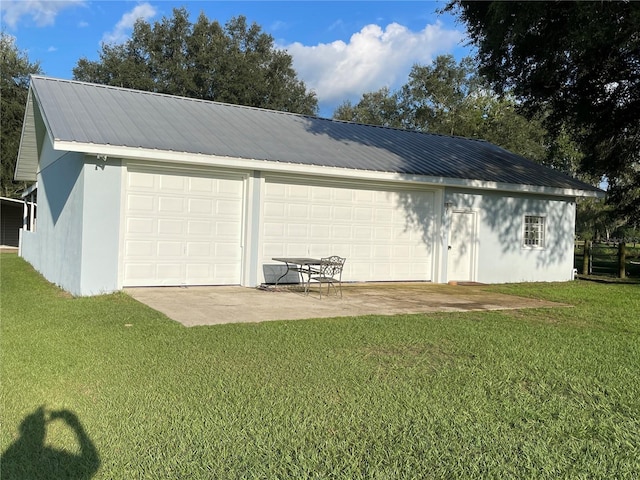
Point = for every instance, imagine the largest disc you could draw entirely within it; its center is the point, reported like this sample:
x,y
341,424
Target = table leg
x,y
306,287
283,275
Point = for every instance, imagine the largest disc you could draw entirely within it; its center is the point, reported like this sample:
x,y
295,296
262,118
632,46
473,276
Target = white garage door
x,y
182,229
385,235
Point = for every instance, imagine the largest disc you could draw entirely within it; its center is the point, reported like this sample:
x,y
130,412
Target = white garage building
x,y
141,189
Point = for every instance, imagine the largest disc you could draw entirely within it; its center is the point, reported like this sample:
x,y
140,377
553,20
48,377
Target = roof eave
x,y
273,166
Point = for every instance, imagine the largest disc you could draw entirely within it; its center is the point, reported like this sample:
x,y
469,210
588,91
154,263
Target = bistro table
x,y
302,265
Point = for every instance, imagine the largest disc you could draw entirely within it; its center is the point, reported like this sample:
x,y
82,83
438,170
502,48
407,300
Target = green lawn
x,y
105,387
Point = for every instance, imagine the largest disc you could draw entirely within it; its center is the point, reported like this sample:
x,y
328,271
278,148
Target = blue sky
x,y
340,49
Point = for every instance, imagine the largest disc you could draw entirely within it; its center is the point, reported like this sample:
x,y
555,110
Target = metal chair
x,y
330,272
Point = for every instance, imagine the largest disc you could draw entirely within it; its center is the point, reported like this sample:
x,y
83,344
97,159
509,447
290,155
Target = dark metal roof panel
x,y
97,114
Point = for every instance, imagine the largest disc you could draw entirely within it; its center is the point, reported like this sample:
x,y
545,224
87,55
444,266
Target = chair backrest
x,y
332,266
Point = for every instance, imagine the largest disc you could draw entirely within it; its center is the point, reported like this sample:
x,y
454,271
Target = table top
x,y
299,260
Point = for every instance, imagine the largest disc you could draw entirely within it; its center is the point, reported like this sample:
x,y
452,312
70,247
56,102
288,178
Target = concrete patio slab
x,y
193,306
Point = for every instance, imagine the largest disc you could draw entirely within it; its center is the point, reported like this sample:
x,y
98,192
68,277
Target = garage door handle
x,y
449,247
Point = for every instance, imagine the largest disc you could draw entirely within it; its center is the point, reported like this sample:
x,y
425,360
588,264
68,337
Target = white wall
x,y
100,226
500,255
55,248
75,244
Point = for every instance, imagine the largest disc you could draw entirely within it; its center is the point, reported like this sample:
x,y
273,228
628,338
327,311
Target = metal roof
x,y
85,113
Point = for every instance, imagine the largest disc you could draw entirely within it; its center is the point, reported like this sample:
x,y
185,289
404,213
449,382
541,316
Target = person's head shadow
x,y
28,457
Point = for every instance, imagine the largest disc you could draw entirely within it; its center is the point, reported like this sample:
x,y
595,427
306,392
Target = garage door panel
x,y
201,185
233,189
140,203
198,249
197,228
170,272
341,232
199,271
200,206
169,249
370,227
139,225
363,214
383,215
320,194
274,230
171,182
320,212
171,205
139,248
321,232
362,252
140,181
226,273
362,233
222,250
298,211
177,229
297,231
299,192
227,207
140,270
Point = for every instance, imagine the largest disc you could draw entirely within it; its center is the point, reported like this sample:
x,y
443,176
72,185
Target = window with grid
x,y
534,231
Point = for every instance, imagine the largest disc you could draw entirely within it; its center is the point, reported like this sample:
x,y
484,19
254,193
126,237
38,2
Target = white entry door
x,y
462,240
181,228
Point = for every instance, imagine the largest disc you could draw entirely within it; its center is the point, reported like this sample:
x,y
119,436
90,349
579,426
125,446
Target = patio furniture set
x,y
323,271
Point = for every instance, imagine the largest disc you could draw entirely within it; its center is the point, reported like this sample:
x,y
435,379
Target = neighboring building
x,y
137,189
11,219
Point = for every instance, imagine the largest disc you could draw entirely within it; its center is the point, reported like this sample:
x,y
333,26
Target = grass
x,y
107,388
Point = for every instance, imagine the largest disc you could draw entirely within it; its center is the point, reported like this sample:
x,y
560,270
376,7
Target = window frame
x,y
534,238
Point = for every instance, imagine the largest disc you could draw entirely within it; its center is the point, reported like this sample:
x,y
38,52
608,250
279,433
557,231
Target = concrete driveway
x,y
193,306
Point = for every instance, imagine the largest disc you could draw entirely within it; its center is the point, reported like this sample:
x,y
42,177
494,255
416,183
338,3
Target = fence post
x,y
622,259
586,258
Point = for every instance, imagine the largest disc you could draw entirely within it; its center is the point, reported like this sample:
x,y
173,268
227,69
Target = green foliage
x,y
579,64
15,68
235,64
450,98
542,393
444,97
374,108
593,219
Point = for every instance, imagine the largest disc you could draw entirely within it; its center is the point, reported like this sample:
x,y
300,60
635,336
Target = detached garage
x,y
142,189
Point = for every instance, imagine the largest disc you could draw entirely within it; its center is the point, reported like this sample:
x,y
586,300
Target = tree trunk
x,y
586,258
622,260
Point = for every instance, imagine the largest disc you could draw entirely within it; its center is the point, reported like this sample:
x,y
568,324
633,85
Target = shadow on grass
x,y
29,458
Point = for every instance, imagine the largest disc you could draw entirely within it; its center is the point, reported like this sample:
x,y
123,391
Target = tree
x,y
374,108
579,63
450,98
236,64
15,68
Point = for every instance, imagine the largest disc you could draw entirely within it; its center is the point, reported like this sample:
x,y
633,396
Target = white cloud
x,y
120,33
373,58
42,12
